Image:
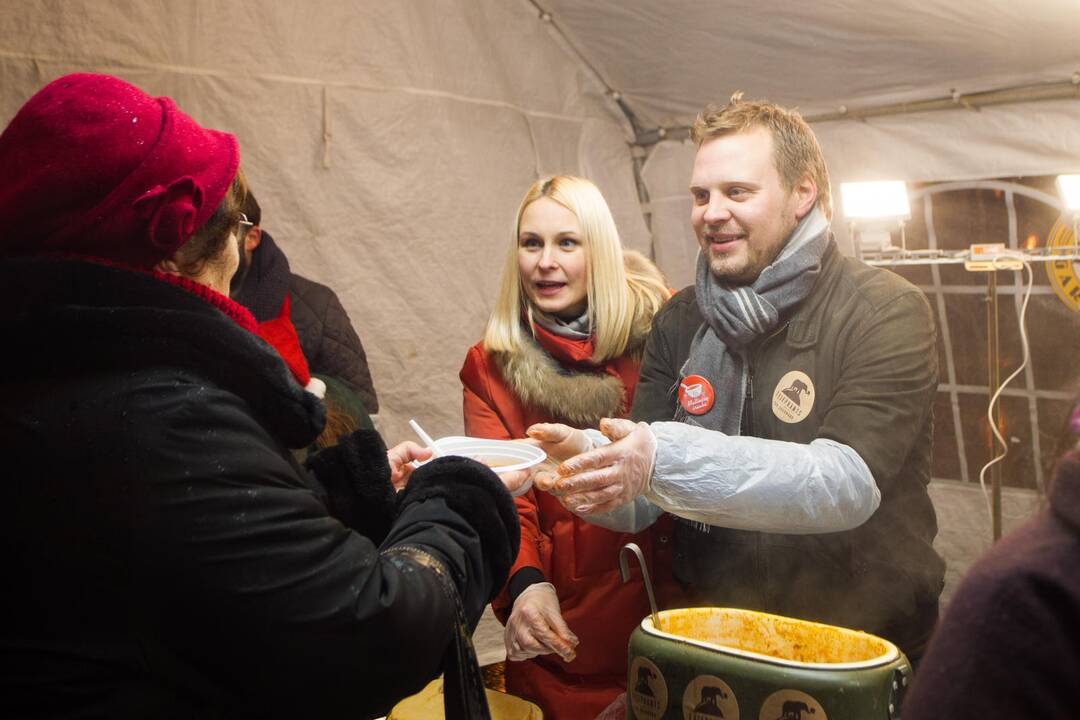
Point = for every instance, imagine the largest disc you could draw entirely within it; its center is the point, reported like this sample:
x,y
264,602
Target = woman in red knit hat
x,y
165,556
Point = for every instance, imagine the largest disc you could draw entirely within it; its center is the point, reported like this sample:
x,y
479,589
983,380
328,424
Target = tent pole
x,y
993,353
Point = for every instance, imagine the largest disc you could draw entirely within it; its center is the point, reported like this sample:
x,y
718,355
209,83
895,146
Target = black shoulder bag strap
x,y
463,684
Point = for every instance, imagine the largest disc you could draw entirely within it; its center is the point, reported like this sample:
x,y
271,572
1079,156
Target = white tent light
x,y
875,200
1069,185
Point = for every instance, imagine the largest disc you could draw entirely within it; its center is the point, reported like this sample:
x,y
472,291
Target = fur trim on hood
x,y
579,398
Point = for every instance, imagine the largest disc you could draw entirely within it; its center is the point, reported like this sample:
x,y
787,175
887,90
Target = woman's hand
x,y
560,442
517,482
536,626
401,458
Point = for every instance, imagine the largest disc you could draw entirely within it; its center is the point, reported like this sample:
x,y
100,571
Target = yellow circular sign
x,y
1063,273
647,690
791,705
708,697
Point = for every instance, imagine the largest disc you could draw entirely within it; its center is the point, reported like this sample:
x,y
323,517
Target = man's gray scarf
x,y
735,316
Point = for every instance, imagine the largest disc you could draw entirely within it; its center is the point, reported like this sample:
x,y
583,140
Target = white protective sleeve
x,y
749,483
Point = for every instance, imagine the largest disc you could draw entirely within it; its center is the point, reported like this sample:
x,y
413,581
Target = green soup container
x,y
711,663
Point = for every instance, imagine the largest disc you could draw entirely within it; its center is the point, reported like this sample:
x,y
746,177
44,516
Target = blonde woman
x,y
563,345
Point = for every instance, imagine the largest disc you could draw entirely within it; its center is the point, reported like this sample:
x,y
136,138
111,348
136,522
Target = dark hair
x,y
339,423
251,209
208,241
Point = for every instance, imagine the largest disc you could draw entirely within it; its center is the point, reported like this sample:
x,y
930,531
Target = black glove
x,y
356,477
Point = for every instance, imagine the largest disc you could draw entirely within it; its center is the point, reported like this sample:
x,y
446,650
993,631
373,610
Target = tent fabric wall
x,y
388,143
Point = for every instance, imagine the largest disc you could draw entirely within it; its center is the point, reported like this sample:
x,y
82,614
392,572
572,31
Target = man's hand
x,y
536,626
401,457
601,480
560,442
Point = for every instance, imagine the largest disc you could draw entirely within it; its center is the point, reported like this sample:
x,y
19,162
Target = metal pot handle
x,y
624,570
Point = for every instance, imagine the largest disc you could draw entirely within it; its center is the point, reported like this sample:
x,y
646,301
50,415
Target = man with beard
x,y
266,286
784,405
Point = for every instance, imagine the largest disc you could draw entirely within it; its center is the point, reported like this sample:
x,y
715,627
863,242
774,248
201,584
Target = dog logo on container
x,y
793,397
648,691
791,705
708,697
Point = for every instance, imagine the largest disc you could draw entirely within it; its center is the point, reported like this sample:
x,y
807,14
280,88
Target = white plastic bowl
x,y
502,456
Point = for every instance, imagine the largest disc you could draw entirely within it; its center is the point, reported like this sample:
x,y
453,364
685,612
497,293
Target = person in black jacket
x,y
328,340
165,556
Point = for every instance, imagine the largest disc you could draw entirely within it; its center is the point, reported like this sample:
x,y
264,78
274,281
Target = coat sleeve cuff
x,y
522,579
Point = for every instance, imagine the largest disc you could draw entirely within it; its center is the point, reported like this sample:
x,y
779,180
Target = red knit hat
x,y
95,166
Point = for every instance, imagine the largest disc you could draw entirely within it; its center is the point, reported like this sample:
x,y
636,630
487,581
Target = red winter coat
x,y
579,559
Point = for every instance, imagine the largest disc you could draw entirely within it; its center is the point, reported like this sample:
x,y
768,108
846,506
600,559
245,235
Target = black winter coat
x,y
166,557
865,339
328,339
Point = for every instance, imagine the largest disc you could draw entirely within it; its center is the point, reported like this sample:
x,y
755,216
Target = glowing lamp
x,y
873,209
881,200
1069,185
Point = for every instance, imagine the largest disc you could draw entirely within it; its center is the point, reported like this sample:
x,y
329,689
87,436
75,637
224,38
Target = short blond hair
x,y
619,301
795,148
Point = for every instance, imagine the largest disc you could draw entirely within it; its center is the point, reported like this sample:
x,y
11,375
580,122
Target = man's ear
x,y
254,237
805,195
168,266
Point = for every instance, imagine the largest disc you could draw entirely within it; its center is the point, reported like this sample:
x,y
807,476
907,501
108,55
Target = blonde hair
x,y
795,148
621,299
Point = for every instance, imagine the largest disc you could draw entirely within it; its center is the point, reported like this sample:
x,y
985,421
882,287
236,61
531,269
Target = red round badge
x,y
696,395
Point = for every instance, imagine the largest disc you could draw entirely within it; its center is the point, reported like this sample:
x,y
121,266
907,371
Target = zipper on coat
x,y
748,400
747,425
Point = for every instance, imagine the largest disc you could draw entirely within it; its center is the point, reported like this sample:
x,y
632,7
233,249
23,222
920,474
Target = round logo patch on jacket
x,y
793,397
696,395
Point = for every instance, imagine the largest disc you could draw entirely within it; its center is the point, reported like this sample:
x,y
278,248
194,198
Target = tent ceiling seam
x,y
1019,94
612,94
297,80
628,115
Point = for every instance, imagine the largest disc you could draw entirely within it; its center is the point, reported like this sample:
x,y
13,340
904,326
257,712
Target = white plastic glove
x,y
536,626
560,442
608,477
